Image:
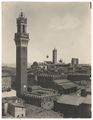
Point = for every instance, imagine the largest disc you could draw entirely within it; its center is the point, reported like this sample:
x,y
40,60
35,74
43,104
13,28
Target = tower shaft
x,y
21,70
21,40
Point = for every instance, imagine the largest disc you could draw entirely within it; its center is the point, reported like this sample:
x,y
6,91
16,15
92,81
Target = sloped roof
x,y
17,104
87,99
66,84
62,81
70,100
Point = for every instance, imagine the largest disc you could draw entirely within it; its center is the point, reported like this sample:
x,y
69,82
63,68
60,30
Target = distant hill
x,y
9,70
9,65
14,65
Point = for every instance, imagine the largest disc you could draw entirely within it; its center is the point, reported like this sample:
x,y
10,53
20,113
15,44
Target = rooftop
x,y
5,74
41,92
49,74
17,104
66,84
62,81
11,93
71,100
88,89
35,87
87,99
78,74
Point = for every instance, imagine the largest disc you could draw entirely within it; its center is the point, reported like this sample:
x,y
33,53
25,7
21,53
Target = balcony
x,y
21,35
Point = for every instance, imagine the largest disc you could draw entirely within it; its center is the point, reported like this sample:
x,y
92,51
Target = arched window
x,y
18,29
23,28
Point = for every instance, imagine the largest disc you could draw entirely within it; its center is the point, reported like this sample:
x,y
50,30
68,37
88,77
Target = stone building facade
x,y
73,106
17,110
6,82
41,97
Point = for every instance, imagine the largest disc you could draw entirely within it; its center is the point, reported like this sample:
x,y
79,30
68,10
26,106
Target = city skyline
x,y
50,25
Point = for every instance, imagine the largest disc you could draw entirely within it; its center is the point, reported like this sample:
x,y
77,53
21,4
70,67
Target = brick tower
x,y
21,40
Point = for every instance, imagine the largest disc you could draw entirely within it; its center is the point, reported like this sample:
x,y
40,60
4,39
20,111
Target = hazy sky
x,y
65,26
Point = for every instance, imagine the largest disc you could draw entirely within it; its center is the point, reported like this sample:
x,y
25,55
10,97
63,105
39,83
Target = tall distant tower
x,y
54,56
74,61
21,40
